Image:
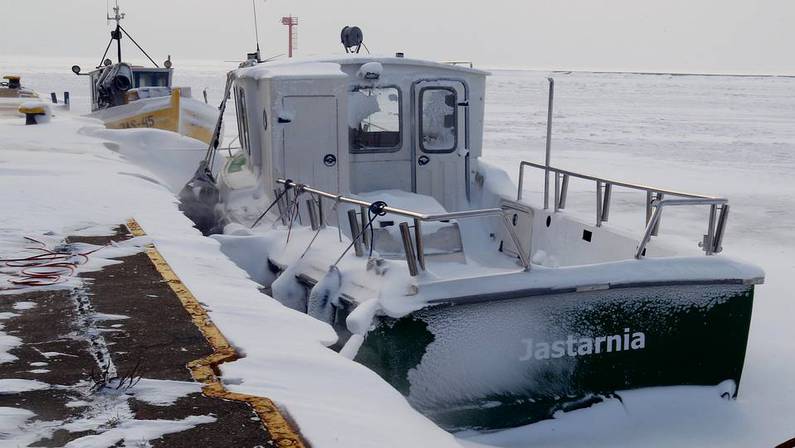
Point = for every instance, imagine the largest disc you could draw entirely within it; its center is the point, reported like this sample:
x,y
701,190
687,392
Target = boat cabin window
x,y
151,79
374,119
438,120
242,119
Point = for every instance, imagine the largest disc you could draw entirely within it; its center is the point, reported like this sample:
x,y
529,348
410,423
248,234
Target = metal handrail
x,y
419,217
655,203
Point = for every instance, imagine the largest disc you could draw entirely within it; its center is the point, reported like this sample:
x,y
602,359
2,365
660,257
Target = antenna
x,y
117,14
256,24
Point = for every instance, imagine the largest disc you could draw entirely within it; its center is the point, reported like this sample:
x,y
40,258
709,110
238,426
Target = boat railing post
x,y
419,243
549,142
313,220
649,200
557,191
720,230
564,191
648,233
606,201
408,248
356,233
656,229
521,182
709,238
598,203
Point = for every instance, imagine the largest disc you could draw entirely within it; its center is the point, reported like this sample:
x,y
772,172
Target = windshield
x,y
151,79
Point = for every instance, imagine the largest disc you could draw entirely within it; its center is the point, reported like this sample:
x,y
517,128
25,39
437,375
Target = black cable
x,y
375,210
139,47
106,53
287,186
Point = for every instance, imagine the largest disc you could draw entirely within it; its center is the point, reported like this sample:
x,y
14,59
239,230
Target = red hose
x,y
47,268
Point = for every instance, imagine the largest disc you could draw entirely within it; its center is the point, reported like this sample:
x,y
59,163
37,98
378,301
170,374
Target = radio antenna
x,y
256,25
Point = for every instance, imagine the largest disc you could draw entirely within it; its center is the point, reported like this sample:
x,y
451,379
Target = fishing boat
x,y
360,197
127,96
13,94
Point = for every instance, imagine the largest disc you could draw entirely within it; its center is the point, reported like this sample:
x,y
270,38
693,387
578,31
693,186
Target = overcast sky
x,y
696,36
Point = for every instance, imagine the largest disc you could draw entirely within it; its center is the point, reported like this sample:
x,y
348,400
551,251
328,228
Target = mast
x,y
116,34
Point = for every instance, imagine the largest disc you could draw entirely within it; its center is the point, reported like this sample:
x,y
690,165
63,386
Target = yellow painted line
x,y
204,370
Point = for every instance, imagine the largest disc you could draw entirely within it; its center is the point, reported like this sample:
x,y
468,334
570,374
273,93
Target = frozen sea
x,y
727,136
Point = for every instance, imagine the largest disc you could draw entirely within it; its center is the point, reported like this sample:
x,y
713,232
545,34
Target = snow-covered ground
x,y
727,136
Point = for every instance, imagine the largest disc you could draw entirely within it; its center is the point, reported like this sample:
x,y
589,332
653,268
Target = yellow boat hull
x,y
185,116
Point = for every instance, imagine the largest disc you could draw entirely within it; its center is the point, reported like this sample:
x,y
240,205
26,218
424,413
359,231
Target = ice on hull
x,y
504,363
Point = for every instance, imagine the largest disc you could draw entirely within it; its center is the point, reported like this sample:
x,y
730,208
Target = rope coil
x,y
51,267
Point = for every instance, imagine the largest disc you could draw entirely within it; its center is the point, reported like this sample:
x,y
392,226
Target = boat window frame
x,y
421,113
242,119
140,73
378,149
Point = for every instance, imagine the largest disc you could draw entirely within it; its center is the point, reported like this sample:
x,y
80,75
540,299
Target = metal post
x,y
649,199
313,221
606,202
557,191
54,98
598,203
521,182
408,247
355,233
418,242
564,191
717,247
549,142
655,219
656,229
710,237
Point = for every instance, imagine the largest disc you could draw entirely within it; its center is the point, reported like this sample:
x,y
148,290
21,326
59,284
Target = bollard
x,y
32,111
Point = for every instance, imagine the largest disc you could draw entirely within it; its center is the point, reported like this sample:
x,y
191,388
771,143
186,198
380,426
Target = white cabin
x,y
363,123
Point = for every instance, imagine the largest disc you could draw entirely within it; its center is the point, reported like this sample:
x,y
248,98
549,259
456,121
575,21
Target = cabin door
x,y
440,146
310,141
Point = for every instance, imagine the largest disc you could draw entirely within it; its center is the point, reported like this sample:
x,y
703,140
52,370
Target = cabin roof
x,y
331,66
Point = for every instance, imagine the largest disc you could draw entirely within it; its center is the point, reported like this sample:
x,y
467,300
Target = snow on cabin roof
x,y
292,69
330,66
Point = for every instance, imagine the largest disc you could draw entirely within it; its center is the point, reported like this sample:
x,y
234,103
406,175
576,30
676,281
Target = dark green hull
x,y
504,363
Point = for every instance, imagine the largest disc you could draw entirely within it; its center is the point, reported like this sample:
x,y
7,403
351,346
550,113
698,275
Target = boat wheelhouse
x,y
361,188
127,96
13,94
